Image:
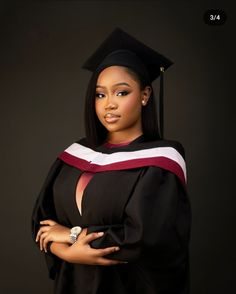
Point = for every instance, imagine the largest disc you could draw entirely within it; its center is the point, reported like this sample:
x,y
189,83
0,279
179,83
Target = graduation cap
x,y
120,48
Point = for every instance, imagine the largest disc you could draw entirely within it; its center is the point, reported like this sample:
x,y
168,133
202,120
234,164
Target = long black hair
x,y
96,133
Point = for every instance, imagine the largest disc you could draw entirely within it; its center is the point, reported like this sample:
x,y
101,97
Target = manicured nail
x,y
100,233
117,248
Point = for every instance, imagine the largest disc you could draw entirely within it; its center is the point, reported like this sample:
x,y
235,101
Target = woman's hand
x,y
52,231
81,252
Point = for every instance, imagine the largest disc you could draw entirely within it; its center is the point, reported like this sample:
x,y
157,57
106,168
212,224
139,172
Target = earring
x,y
143,102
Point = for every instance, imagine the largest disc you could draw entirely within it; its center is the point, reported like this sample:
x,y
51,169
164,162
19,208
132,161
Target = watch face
x,y
73,238
76,230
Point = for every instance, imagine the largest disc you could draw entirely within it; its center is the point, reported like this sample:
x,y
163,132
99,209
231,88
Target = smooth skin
x,y
80,251
117,94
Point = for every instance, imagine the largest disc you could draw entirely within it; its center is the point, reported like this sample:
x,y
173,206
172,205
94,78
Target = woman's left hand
x,y
52,231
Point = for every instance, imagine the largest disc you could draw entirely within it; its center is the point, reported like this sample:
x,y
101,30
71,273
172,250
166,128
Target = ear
x,y
146,92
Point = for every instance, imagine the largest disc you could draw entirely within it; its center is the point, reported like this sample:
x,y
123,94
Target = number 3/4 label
x,y
214,17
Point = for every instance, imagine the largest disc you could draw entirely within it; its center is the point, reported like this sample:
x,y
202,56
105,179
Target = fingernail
x,y
100,233
125,261
117,248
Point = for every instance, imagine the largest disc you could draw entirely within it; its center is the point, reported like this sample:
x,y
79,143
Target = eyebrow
x,y
118,84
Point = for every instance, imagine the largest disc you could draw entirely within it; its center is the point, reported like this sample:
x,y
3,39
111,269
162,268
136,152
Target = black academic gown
x,y
144,209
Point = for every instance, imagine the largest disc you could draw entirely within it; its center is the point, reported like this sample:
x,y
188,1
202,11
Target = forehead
x,y
114,73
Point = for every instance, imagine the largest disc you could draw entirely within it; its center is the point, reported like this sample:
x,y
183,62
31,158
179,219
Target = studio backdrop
x,y
43,46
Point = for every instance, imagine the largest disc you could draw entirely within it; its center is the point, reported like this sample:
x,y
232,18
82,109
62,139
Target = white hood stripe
x,y
103,159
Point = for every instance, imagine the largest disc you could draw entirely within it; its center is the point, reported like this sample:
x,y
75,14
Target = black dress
x,y
141,207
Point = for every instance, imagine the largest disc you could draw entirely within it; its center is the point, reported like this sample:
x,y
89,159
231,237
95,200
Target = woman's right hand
x,y
82,252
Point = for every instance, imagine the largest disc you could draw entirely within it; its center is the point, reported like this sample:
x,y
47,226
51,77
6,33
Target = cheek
x,y
132,105
98,108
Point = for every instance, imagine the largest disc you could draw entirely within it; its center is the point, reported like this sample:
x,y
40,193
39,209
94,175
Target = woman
x,y
113,215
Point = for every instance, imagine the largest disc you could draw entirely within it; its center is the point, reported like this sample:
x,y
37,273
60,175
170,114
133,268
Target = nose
x,y
110,104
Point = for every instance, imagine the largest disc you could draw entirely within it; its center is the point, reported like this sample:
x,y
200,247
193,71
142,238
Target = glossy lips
x,y
111,118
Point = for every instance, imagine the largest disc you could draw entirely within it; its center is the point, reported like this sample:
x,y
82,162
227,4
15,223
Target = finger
x,y
38,235
90,237
82,234
45,243
42,230
48,222
108,250
42,237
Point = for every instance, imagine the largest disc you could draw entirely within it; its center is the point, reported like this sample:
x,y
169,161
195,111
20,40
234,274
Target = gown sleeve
x,y
44,209
157,219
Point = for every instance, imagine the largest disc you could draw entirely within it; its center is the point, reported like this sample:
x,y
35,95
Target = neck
x,y
116,138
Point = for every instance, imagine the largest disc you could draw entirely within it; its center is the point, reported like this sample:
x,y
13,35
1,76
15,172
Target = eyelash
x,y
124,92
98,94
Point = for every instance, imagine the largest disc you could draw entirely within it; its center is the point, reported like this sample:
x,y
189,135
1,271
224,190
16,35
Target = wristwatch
x,y
74,233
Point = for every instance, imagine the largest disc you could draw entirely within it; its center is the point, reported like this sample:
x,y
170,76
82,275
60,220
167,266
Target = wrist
x,y
74,233
67,236
60,250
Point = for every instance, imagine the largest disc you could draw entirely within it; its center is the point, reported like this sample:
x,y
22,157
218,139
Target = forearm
x,y
59,249
81,253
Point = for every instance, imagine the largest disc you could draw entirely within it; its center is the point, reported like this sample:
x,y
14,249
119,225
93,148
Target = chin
x,y
112,129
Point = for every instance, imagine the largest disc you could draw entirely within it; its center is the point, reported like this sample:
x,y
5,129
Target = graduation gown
x,y
138,198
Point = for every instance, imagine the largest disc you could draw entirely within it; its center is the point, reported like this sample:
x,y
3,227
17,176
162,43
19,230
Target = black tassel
x,y
161,104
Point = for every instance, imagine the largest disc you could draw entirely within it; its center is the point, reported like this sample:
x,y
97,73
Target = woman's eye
x,y
99,95
122,93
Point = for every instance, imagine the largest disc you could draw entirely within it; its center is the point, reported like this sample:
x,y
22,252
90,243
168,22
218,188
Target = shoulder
x,y
171,158
175,145
165,156
82,141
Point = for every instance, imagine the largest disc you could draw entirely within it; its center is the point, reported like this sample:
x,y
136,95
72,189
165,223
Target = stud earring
x,y
143,102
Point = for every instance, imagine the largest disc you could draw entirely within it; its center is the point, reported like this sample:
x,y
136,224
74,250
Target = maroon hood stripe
x,y
161,161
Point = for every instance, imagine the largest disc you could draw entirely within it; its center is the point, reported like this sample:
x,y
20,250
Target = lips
x,y
111,117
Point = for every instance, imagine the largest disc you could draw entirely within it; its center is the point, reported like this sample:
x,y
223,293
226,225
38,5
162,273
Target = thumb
x,y
48,222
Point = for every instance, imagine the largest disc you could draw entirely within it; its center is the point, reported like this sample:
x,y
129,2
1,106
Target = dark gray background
x,y
43,45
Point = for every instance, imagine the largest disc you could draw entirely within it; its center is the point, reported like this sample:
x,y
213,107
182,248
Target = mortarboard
x,y
120,48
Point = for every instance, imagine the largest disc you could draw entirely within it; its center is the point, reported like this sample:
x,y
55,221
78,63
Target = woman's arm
x,y
157,219
44,210
51,231
81,252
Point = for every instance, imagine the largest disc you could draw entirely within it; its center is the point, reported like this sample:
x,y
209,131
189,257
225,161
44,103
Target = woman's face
x,y
118,103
